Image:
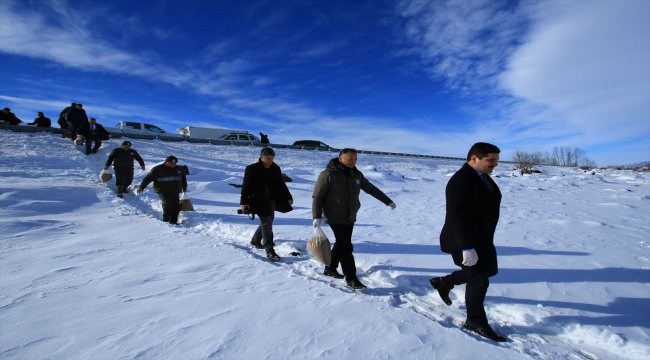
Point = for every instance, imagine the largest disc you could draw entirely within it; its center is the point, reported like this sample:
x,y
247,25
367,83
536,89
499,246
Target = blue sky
x,y
427,77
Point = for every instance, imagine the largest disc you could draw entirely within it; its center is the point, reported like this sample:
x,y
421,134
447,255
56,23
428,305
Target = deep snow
x,y
86,275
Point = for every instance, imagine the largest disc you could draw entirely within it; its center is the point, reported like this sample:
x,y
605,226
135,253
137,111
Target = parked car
x,y
311,144
141,130
241,138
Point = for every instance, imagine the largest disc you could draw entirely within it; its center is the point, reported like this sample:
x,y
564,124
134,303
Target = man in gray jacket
x,y
336,195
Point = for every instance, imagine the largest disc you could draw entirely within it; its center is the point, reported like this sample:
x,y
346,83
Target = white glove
x,y
392,205
470,258
316,222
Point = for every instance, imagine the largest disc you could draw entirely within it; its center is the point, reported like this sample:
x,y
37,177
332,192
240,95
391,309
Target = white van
x,y
129,128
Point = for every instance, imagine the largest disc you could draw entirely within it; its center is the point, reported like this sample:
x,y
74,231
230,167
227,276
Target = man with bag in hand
x,y
336,195
473,201
122,159
168,182
263,192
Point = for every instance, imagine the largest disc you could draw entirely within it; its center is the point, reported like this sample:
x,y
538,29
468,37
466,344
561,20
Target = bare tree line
x,y
559,156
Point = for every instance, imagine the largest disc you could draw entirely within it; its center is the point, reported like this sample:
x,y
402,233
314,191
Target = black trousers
x,y
171,207
123,178
93,138
477,283
342,250
264,233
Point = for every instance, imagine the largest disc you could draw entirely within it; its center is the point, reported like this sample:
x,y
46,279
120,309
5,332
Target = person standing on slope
x,y
122,159
168,182
473,202
336,195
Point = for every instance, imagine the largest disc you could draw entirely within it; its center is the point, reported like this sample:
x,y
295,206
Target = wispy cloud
x,y
60,35
466,43
587,62
556,72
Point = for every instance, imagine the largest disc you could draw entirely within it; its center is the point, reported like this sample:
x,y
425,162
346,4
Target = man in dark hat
x,y
9,118
168,182
262,193
122,160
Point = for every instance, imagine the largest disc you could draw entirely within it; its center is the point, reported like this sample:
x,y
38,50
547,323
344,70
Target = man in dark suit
x,y
473,201
93,133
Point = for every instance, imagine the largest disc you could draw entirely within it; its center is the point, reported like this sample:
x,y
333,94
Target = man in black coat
x,y
63,122
262,193
41,121
122,159
76,118
473,202
93,133
9,118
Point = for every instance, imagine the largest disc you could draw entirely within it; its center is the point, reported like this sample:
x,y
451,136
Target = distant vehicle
x,y
227,136
140,129
311,144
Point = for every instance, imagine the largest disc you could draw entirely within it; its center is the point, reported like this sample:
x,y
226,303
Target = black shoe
x,y
94,151
257,245
119,195
332,272
272,255
485,331
439,284
87,152
355,284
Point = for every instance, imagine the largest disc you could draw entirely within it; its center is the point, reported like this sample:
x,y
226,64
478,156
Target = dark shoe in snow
x,y
119,195
355,284
272,255
439,284
485,331
332,273
257,245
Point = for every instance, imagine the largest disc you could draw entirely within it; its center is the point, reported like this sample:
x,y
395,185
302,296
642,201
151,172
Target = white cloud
x,y
589,63
463,42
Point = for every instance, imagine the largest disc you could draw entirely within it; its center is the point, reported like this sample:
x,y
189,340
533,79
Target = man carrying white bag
x,y
336,196
319,247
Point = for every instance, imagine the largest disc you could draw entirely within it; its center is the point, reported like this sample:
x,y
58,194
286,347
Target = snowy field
x,y
86,275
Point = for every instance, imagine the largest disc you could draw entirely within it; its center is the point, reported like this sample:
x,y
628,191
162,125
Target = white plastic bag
x,y
105,175
319,246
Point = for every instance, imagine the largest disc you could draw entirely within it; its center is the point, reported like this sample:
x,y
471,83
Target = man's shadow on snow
x,y
622,312
371,247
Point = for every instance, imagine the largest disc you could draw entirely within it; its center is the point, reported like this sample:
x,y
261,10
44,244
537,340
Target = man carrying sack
x,y
168,182
122,159
336,195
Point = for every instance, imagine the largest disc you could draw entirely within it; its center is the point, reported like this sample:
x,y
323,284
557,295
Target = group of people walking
x,y
472,212
472,207
74,119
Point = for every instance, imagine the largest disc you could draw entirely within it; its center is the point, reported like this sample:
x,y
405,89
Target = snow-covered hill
x,y
86,275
